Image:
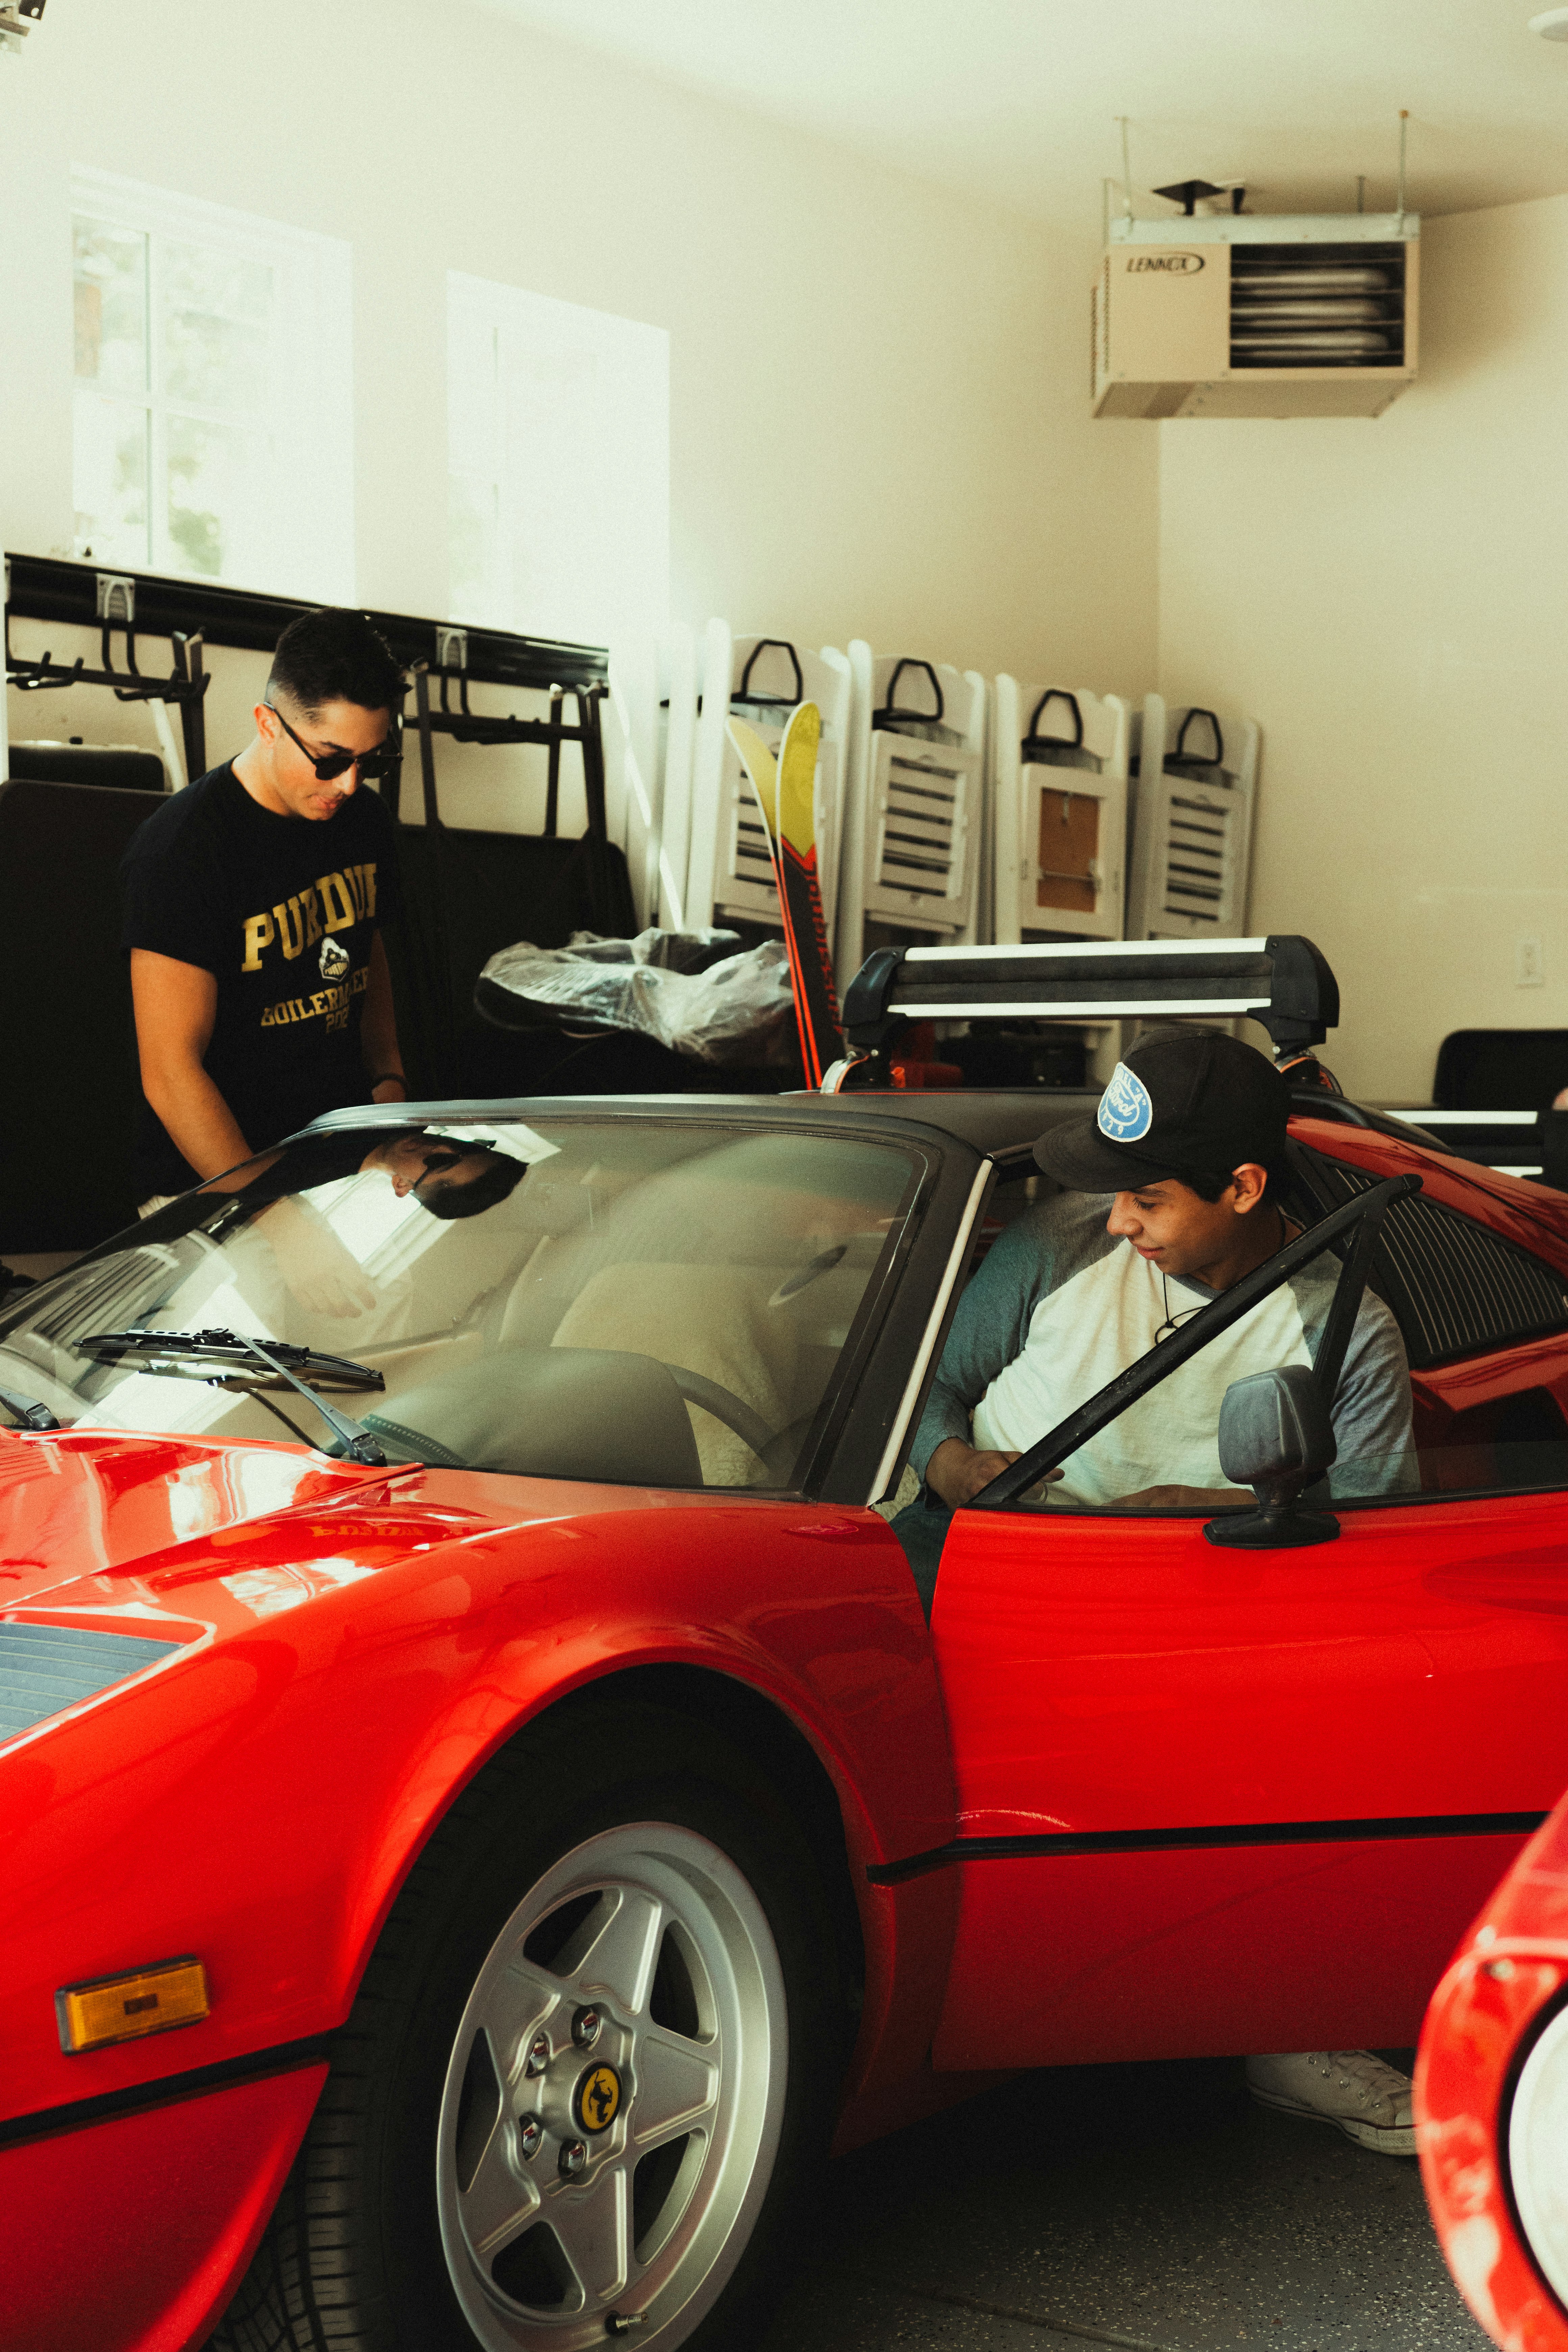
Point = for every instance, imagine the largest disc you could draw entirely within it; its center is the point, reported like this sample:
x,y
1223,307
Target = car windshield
x,y
626,1299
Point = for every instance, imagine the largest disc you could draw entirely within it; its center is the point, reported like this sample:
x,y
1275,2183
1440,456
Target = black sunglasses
x,y
379,763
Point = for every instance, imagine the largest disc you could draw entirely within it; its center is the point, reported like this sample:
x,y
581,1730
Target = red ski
x,y
785,792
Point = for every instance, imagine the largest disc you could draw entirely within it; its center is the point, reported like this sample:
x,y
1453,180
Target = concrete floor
x,y
1151,2207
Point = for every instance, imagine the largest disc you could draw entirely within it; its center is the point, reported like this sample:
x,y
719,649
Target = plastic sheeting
x,y
682,988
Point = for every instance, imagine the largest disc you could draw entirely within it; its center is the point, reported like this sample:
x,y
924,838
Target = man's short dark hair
x,y
335,656
495,1183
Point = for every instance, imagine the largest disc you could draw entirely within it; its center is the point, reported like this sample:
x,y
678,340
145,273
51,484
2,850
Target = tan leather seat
x,y
714,1320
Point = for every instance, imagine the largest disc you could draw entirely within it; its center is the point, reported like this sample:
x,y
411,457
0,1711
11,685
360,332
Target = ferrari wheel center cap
x,y
596,2101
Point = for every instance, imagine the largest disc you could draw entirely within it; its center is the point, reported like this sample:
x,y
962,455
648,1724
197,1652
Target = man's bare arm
x,y
176,1004
378,1030
957,1471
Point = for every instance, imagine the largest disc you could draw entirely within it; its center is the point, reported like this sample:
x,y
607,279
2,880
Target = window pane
x,y
216,325
110,307
214,498
567,410
110,480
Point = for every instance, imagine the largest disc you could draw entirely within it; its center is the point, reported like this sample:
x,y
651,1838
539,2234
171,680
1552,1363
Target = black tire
x,y
353,2259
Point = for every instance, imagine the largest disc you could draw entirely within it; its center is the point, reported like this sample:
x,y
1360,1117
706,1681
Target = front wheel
x,y
590,2075
611,2114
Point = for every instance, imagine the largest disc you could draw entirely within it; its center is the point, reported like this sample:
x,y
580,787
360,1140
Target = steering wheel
x,y
774,1449
725,1406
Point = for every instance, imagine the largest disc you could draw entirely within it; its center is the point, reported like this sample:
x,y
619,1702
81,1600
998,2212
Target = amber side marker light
x,y
123,2008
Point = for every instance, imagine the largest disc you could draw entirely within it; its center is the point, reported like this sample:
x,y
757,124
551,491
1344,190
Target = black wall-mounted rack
x,y
50,588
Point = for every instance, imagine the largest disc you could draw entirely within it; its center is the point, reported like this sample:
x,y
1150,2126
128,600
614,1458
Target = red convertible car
x,y
484,1808
1491,2095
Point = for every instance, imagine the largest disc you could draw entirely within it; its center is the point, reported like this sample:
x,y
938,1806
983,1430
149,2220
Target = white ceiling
x,y
1013,100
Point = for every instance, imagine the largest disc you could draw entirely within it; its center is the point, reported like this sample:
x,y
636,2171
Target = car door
x,y
1213,1801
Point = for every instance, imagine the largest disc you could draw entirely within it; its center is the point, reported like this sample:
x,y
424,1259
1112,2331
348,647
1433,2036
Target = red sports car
x,y
483,1804
1491,2094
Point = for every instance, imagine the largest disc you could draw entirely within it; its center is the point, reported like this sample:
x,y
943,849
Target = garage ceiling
x,y
1013,100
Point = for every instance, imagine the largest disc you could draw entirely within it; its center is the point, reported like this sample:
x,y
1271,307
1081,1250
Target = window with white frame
x,y
214,423
558,429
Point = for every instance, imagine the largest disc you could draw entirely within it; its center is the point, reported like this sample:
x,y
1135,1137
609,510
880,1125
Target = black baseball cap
x,y
1183,1103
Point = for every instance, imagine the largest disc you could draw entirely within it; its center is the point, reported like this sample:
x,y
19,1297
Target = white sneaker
x,y
1369,2100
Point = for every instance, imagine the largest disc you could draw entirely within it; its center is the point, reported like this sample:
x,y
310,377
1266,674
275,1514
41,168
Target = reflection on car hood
x,y
88,1503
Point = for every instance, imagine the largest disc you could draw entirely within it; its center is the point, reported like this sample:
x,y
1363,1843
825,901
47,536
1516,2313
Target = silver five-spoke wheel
x,y
614,2097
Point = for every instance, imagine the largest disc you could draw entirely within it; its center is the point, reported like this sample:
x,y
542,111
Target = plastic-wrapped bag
x,y
683,988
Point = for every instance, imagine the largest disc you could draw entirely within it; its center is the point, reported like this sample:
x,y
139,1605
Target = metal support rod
x,y
1404,133
1126,171
553,774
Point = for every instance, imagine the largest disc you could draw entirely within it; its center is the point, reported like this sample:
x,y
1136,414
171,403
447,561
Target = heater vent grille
x,y
1317,306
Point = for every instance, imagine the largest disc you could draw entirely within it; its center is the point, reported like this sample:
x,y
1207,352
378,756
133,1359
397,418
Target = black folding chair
x,y
1500,1069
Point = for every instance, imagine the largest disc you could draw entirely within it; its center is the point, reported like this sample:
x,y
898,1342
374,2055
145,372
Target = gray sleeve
x,y
1373,1408
988,1331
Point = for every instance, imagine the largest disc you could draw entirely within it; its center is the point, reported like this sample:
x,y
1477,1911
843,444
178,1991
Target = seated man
x,y
1190,1141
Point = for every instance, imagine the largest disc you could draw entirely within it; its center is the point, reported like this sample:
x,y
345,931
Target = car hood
x,y
91,1503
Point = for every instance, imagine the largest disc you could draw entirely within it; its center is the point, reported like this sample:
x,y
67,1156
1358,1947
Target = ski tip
x,y
797,777
755,756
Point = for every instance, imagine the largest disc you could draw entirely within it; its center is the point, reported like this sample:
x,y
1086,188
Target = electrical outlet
x,y
1529,967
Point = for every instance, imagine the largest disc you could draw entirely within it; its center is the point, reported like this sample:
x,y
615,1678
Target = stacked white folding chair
x,y
1193,806
1061,757
913,812
729,866
650,722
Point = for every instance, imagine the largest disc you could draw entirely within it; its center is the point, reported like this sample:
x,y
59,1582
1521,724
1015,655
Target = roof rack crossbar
x,y
1283,982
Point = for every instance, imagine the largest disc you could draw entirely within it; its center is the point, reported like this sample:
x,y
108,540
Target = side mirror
x,y
1275,1436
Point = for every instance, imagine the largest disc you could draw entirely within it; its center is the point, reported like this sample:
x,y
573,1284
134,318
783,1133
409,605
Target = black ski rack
x,y
467,726
115,608
1283,982
53,588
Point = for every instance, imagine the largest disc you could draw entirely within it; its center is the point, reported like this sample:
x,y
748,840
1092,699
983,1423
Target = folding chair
x,y
73,1091
912,807
1061,757
1192,824
653,710
729,866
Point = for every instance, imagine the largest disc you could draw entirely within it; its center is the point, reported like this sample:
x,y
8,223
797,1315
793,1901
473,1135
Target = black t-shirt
x,y
283,912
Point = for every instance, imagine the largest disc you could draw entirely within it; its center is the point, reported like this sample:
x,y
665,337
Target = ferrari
x,y
486,1807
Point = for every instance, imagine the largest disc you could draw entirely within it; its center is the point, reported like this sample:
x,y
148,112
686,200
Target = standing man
x,y
254,903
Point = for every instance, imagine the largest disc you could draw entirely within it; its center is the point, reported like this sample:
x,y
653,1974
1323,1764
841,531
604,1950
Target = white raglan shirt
x,y
1060,1308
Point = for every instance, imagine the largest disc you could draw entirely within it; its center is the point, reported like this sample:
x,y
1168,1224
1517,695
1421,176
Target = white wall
x,y
1389,596
879,422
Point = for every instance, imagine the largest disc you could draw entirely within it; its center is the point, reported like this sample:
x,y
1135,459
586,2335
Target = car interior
x,y
659,1305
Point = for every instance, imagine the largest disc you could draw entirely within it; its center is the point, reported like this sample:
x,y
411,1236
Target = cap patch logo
x,y
1126,1113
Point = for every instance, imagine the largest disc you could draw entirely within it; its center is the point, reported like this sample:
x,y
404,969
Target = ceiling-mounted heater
x,y
1237,314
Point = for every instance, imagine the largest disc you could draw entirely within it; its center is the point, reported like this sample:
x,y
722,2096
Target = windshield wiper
x,y
178,1349
30,1412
